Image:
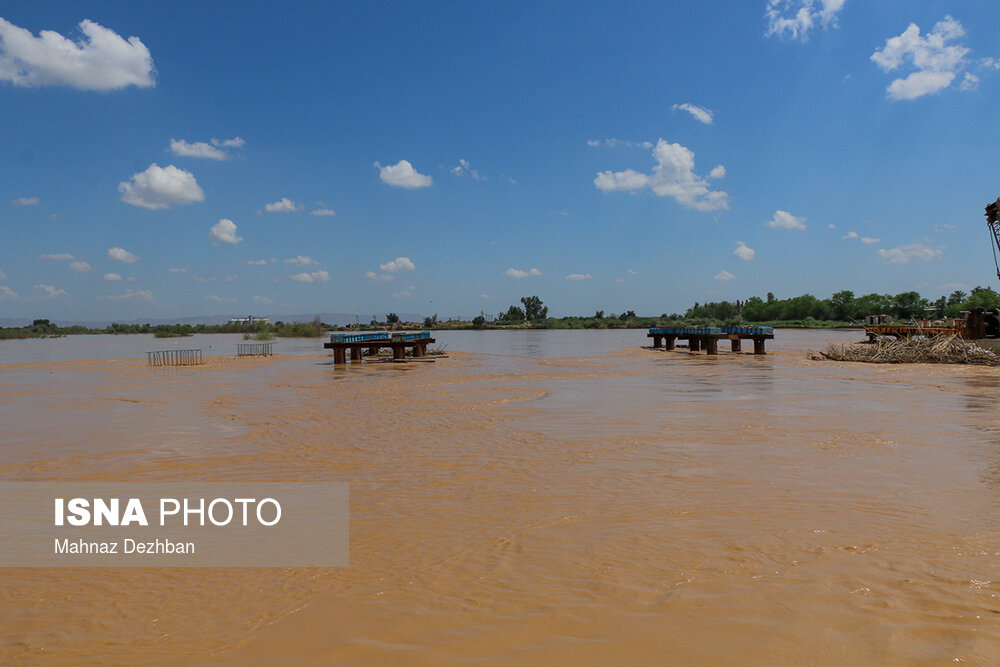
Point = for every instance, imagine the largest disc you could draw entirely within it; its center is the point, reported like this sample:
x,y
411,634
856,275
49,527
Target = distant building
x,y
249,319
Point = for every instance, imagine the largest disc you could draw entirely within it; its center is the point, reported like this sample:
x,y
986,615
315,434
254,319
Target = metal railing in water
x,y
253,349
174,358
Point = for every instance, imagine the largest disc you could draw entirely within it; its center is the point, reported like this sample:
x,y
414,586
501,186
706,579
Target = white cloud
x,y
322,212
3,276
403,175
619,280
717,173
673,176
79,266
283,205
57,257
629,179
700,114
465,169
177,270
199,149
970,82
632,272
934,61
867,240
206,150
112,277
301,260
517,273
99,60
224,231
235,142
231,279
795,18
256,262
384,277
161,187
613,143
744,252
405,294
785,220
262,299
913,251
25,201
7,293
578,276
397,265
51,291
314,277
122,255
139,294
724,275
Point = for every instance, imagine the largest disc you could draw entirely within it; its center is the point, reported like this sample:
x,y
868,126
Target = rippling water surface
x,y
537,497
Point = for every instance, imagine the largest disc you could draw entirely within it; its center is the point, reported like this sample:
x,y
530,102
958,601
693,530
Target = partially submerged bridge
x,y
358,343
707,338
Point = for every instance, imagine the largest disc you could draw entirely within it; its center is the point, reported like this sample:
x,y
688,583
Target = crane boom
x,y
993,220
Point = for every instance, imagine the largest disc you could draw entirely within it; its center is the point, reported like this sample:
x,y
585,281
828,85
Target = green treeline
x,y
260,330
843,306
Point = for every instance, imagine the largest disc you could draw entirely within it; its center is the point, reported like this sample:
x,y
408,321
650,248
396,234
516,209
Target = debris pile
x,y
916,350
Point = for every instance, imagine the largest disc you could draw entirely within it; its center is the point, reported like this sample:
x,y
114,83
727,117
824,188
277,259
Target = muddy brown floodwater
x,y
543,498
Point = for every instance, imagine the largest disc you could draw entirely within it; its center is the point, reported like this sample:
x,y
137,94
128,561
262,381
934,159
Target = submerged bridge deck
x,y
373,342
708,338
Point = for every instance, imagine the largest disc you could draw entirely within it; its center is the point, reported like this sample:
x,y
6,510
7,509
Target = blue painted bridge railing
x,y
358,337
418,335
711,331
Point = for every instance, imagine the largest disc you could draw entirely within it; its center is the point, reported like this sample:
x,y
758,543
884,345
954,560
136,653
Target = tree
x,y
392,318
479,321
956,297
599,315
534,311
753,309
513,314
431,321
842,304
907,305
983,298
872,304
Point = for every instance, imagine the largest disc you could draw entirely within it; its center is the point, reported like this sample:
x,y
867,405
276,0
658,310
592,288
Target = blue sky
x,y
189,159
